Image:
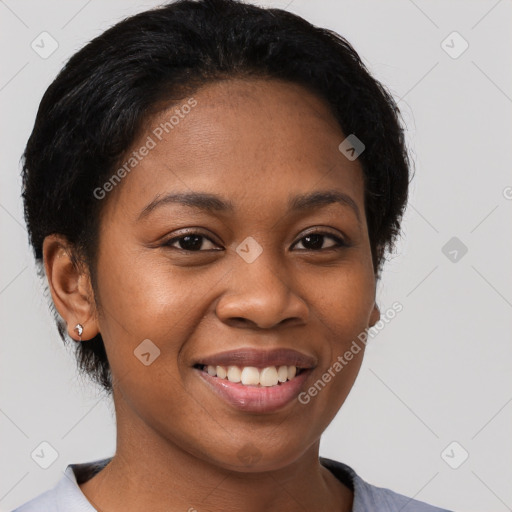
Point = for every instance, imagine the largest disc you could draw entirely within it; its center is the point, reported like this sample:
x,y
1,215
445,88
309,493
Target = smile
x,y
257,398
252,376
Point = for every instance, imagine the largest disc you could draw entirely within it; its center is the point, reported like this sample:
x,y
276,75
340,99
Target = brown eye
x,y
190,242
315,242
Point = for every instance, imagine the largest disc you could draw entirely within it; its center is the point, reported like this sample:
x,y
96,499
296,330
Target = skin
x,y
255,142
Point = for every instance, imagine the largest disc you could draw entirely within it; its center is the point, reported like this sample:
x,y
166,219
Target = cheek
x,y
148,312
344,302
146,297
342,307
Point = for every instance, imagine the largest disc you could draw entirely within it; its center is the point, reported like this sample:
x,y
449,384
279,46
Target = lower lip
x,y
256,398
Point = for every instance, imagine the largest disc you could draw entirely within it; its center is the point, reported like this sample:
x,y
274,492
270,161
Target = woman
x,y
212,188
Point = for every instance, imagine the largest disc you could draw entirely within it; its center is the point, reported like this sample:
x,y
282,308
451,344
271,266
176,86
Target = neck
x,y
149,472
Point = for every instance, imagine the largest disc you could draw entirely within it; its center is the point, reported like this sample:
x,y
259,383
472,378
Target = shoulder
x,y
368,497
47,501
66,494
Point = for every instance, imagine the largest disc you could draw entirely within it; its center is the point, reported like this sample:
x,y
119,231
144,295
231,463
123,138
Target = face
x,y
265,271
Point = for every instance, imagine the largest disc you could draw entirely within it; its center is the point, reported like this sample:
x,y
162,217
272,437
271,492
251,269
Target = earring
x,y
79,329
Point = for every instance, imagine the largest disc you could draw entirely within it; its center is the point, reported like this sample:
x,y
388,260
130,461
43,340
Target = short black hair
x,y
93,111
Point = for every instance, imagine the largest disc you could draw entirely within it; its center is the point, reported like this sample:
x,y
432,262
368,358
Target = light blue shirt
x,y
67,496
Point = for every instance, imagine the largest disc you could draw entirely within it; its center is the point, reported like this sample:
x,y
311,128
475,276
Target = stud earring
x,y
79,329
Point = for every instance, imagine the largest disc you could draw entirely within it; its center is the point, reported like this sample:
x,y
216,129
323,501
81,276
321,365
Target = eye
x,y
190,242
315,242
198,242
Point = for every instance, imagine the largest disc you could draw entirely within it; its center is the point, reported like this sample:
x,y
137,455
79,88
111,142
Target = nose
x,y
261,295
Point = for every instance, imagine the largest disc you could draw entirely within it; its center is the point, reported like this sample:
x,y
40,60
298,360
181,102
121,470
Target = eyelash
x,y
339,242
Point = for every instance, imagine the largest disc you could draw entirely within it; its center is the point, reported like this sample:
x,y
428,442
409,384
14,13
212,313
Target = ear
x,y
70,286
375,315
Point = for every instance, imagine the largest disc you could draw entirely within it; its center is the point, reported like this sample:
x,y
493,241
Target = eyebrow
x,y
323,198
211,203
198,200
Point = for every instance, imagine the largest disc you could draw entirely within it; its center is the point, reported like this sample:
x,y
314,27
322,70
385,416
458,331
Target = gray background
x,y
439,372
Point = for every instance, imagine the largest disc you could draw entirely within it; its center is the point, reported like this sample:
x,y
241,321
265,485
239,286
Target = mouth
x,y
252,375
254,380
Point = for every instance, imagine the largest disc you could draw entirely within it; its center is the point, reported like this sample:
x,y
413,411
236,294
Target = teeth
x,y
268,376
282,373
234,374
252,376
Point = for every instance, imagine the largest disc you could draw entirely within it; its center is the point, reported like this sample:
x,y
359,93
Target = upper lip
x,y
259,358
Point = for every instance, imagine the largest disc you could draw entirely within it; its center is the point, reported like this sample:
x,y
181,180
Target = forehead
x,y
247,139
